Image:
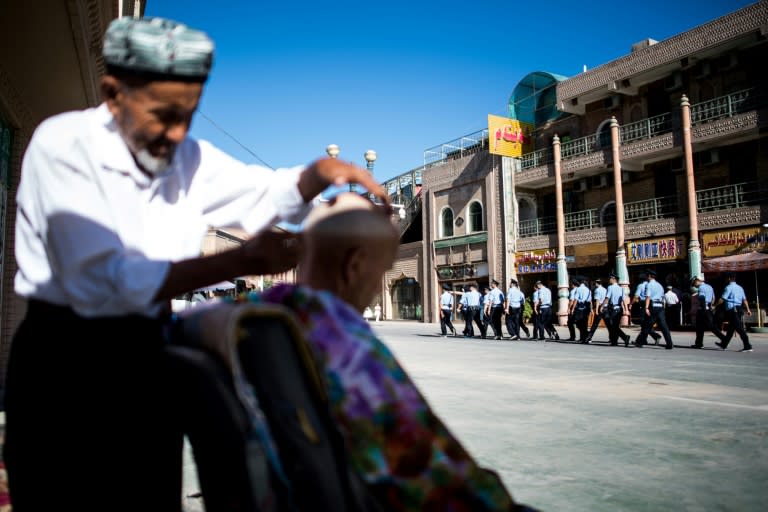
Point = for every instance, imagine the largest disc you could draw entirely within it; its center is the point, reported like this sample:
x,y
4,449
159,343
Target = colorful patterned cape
x,y
403,451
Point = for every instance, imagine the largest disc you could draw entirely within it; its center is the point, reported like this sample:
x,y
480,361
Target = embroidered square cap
x,y
158,47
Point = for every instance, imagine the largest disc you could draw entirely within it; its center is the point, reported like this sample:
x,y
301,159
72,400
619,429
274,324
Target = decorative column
x,y
621,255
694,249
509,167
562,269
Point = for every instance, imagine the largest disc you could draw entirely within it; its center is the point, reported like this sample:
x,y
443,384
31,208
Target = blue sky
x,y
398,77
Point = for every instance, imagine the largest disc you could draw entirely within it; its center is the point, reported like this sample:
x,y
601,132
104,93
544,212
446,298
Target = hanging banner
x,y
509,137
656,250
734,241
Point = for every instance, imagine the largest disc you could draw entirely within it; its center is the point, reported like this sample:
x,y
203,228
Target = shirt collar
x,y
115,154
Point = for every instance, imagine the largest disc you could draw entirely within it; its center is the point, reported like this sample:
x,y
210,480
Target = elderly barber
x,y
113,206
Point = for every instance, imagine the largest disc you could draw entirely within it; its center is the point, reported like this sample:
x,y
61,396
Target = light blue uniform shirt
x,y
572,294
446,300
515,297
733,296
614,294
640,291
707,293
583,294
655,291
599,294
473,298
545,297
497,297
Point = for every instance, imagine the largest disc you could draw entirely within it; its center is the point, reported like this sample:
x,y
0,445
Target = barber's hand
x,y
331,171
272,252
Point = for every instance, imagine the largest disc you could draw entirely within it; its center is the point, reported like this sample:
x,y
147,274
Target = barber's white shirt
x,y
95,233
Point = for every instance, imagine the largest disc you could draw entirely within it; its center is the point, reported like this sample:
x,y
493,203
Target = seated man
x,y
407,456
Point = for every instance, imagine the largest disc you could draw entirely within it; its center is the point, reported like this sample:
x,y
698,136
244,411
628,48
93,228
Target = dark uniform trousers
x,y
612,315
658,318
581,317
545,321
472,314
496,312
600,314
705,322
735,318
445,321
515,322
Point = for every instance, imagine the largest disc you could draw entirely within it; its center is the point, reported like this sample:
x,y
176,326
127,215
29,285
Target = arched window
x,y
475,216
446,223
608,214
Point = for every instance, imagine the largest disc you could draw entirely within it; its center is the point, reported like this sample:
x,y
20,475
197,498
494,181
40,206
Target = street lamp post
x,y
332,150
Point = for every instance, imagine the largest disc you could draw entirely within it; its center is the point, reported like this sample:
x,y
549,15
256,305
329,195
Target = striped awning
x,y
745,262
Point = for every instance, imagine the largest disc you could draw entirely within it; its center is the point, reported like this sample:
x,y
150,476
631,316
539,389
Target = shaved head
x,y
349,243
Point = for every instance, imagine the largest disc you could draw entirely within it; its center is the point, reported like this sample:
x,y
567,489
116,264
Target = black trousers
x,y
496,312
735,318
656,317
705,322
612,317
472,314
600,314
89,419
537,332
581,319
445,321
514,322
545,322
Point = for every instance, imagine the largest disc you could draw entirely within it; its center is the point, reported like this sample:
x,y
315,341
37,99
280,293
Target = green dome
x,y
534,99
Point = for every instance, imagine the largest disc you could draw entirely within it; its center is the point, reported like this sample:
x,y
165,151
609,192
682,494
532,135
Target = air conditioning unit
x,y
580,186
612,102
673,81
710,157
703,70
600,181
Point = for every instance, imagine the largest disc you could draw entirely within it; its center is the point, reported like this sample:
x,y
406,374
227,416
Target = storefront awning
x,y
746,262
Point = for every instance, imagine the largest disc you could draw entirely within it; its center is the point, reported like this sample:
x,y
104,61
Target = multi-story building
x,y
658,159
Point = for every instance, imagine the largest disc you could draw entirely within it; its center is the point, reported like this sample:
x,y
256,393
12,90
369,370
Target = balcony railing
x,y
724,106
651,209
577,147
535,227
646,128
731,196
457,148
536,158
584,219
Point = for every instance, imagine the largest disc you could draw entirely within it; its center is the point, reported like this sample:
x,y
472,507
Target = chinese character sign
x,y
655,250
509,137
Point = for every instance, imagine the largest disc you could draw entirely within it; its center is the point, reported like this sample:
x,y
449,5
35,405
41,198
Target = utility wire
x,y
225,132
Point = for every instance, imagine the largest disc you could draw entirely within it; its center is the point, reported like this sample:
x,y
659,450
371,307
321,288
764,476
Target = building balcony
x,y
728,199
733,116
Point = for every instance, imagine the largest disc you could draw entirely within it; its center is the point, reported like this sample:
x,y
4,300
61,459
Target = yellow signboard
x,y
656,250
509,137
734,241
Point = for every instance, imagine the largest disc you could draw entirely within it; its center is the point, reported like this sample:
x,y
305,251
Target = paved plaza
x,y
574,427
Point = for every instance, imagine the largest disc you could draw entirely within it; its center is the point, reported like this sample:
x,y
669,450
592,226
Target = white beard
x,y
151,164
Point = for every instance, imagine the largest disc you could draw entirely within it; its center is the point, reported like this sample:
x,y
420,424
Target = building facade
x,y
658,159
